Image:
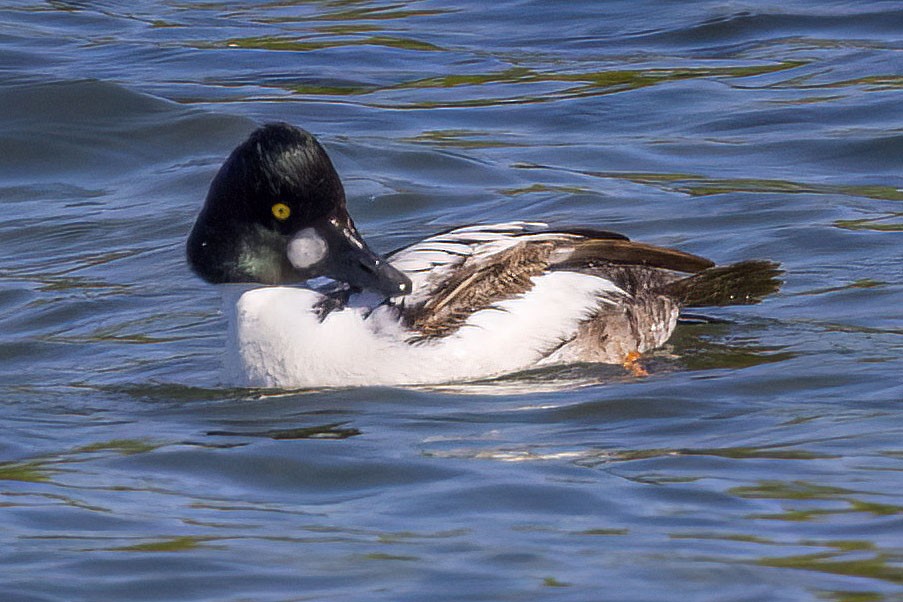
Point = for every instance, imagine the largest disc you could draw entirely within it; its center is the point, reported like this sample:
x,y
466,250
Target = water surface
x,y
760,460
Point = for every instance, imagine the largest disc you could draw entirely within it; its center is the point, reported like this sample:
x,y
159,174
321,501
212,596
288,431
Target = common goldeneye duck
x,y
466,304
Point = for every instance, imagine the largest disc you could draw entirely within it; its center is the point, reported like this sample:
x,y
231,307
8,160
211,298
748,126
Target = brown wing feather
x,y
588,252
478,285
481,282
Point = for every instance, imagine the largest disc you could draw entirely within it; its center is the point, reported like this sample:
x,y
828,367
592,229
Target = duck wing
x,y
465,270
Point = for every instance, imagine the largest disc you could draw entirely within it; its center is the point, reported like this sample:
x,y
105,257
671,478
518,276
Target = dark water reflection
x,y
761,460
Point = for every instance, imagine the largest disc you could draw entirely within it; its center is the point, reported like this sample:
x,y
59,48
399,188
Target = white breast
x,y
277,340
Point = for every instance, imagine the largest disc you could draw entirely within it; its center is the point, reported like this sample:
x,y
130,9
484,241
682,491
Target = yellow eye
x,y
281,211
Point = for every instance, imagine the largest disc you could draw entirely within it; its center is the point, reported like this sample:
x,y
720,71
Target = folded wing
x,y
463,271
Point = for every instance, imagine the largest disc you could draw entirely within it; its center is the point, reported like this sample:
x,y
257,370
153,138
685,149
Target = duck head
x,y
275,214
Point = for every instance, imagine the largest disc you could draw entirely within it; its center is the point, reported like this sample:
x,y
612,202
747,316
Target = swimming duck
x,y
309,304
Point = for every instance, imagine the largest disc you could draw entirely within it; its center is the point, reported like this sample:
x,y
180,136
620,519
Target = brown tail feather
x,y
740,283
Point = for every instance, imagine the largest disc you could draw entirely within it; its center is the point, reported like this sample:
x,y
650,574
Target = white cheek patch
x,y
306,248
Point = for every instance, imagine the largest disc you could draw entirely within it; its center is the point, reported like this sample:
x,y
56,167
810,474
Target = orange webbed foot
x,y
632,364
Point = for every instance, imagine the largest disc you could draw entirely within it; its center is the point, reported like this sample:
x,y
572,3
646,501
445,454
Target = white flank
x,y
277,339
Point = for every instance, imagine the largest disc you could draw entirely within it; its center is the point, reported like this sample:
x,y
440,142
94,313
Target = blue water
x,y
761,459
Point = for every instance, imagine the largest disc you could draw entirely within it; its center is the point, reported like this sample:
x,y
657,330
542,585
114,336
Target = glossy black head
x,y
275,214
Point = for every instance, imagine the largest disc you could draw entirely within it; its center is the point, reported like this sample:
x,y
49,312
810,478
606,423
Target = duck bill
x,y
333,248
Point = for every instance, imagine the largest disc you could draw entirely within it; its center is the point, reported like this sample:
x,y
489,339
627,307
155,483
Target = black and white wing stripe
x,y
432,261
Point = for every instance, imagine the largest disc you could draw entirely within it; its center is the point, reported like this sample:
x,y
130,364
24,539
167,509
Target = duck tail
x,y
742,283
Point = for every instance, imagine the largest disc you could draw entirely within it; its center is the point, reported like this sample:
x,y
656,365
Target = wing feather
x,y
478,285
590,251
462,271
